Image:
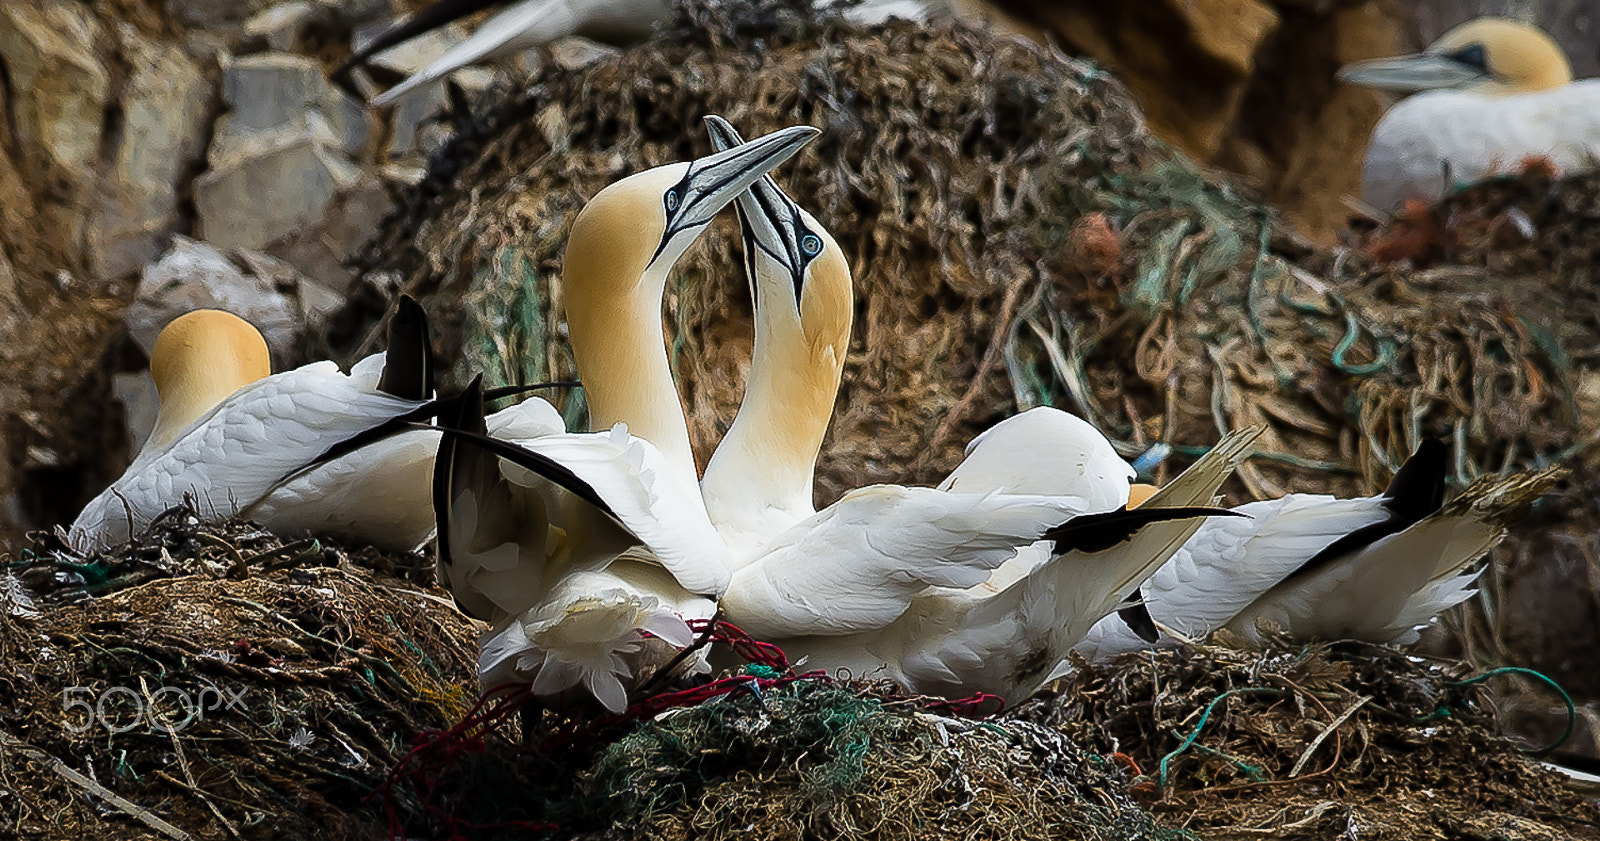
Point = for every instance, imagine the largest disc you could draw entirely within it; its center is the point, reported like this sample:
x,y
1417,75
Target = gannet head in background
x,y
622,246
759,480
1491,56
199,359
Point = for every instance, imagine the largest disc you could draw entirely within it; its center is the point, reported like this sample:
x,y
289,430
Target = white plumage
x,y
1010,640
589,553
230,458
1487,96
1430,143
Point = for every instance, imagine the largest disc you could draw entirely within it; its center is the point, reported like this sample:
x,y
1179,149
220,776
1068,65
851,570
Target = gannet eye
x,y
811,245
1472,56
672,199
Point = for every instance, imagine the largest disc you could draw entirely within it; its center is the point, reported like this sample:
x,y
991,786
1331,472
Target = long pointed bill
x,y
1411,73
713,181
769,221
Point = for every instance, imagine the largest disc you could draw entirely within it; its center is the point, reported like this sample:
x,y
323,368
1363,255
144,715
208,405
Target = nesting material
x,y
219,682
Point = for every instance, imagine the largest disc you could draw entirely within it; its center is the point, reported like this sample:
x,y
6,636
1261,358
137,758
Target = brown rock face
x,y
1246,85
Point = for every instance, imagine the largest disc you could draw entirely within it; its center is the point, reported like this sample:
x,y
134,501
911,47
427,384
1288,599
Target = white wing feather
x,y
859,563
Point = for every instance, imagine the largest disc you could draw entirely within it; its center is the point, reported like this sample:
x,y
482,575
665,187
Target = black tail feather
x,y
1100,532
1136,616
408,363
1415,492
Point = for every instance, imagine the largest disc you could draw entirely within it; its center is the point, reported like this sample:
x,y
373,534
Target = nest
x,y
217,679
1322,741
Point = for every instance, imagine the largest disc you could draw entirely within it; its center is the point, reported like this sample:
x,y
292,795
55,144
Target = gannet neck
x,y
760,477
200,359
622,246
613,296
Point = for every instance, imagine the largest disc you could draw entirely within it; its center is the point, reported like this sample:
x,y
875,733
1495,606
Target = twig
x,y
127,807
1332,726
183,763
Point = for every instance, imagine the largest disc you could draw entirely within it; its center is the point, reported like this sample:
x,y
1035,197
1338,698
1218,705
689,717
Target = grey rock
x,y
271,185
166,106
285,26
266,292
351,219
273,90
214,14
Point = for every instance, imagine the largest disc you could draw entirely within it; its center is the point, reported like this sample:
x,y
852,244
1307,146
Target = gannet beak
x,y
769,221
713,181
1416,72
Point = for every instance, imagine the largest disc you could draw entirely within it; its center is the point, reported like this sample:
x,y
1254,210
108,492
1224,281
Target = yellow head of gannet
x,y
614,274
1490,56
199,359
759,480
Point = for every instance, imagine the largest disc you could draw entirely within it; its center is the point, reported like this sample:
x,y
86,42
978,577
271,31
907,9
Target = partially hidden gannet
x,y
812,579
573,545
1485,97
230,456
1318,567
530,23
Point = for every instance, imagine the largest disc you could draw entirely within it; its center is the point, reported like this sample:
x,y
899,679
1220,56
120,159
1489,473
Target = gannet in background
x,y
542,535
1485,96
527,24
1373,568
842,580
232,456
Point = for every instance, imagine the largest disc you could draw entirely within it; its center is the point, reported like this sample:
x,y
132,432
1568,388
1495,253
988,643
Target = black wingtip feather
x,y
1417,488
408,363
430,18
453,416
1136,616
1100,532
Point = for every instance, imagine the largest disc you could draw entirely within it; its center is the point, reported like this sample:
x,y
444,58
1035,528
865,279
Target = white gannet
x,y
531,23
841,580
1371,568
1010,638
1487,95
231,456
539,534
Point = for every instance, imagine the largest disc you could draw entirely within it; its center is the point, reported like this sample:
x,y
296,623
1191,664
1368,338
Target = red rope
x,y
426,764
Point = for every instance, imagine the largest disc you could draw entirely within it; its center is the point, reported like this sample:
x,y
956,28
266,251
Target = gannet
x,y
1010,638
540,535
842,580
1486,96
1373,568
231,456
531,23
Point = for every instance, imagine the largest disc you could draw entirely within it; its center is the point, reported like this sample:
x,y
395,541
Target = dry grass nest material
x,y
1323,741
214,681
339,667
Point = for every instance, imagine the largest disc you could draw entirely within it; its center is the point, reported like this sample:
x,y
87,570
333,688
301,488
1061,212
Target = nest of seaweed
x,y
215,681
1321,741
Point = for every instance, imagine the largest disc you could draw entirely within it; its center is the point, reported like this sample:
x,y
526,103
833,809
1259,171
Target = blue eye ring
x,y
811,245
672,200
